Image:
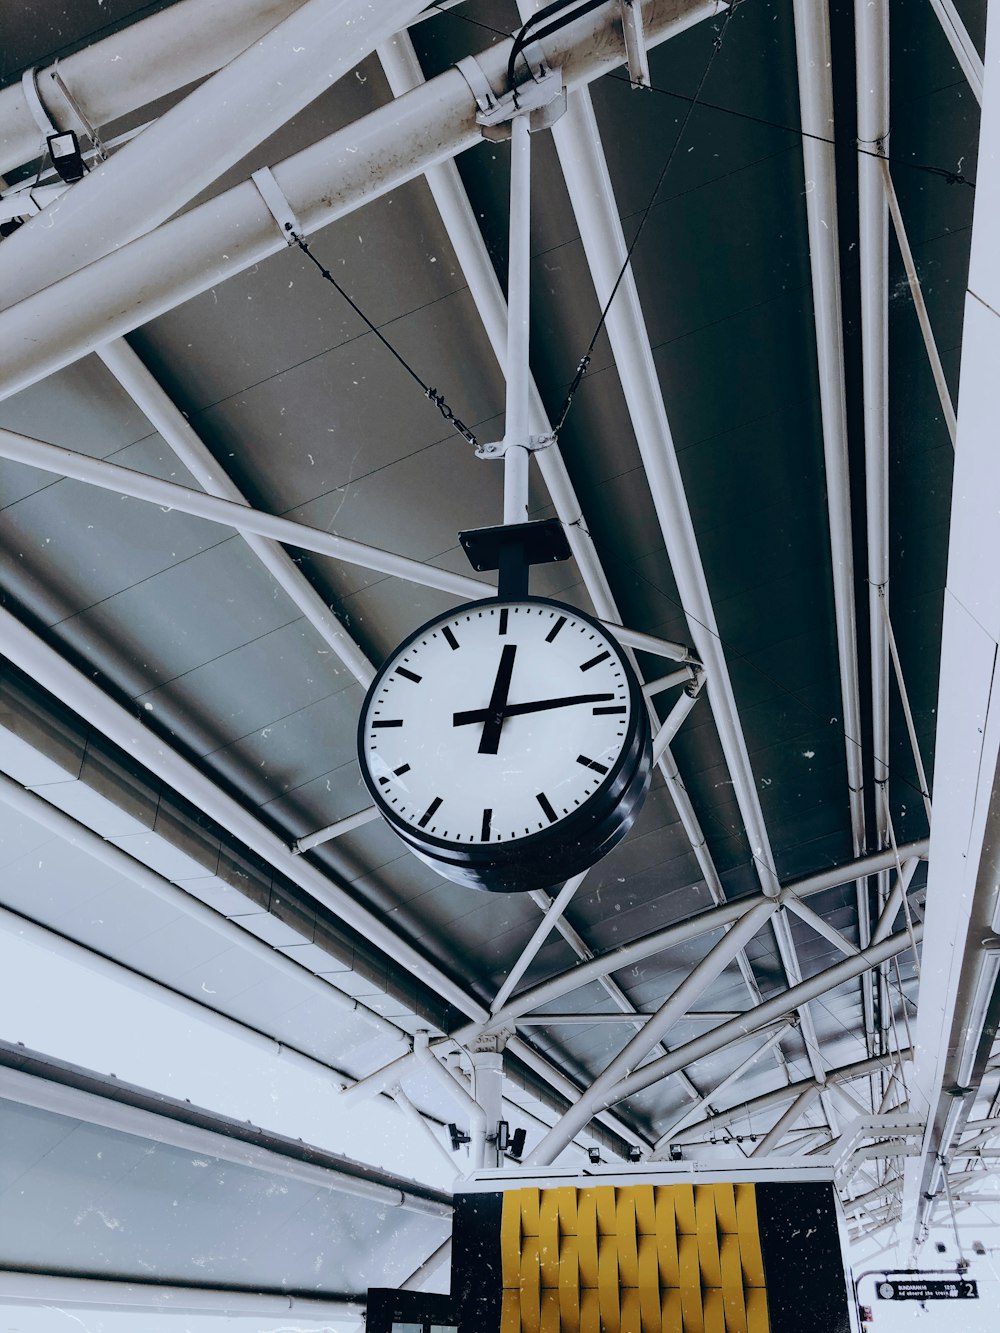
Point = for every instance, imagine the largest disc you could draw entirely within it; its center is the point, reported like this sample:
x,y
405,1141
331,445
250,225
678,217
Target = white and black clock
x,y
507,743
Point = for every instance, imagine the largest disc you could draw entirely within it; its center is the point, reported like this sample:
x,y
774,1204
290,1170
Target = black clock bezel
x,y
574,842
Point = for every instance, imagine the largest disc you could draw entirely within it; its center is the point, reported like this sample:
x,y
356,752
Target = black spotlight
x,y
64,149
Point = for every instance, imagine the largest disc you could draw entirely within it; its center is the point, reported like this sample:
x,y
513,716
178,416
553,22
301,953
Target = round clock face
x,y
499,722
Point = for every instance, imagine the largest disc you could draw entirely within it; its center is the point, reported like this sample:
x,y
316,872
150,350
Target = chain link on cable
x,y
436,398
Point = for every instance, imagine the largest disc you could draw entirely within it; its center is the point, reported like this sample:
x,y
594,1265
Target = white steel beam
x,y
328,180
962,896
144,390
969,59
123,1117
785,1122
775,1007
871,24
144,62
701,975
191,145
765,1101
58,1292
815,82
716,918
169,495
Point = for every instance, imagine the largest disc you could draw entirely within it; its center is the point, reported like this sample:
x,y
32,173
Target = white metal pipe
x,y
969,59
701,975
784,1123
871,24
379,1080
431,1265
102,1293
78,1104
904,698
919,304
672,678
775,1007
44,665
144,390
887,917
778,1097
680,932
410,1113
474,1114
815,82
140,64
335,830
708,1100
170,495
70,830
200,137
542,932
673,723
589,184
821,926
80,956
234,230
516,427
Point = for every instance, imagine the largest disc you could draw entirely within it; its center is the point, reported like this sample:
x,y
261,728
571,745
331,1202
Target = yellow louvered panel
x,y
757,1320
746,1213
666,1237
607,1212
684,1208
550,1321
708,1235
645,1209
590,1311
725,1206
510,1239
530,1285
715,1315
628,1252
732,1284
510,1311
566,1203
670,1309
569,1284
635,1259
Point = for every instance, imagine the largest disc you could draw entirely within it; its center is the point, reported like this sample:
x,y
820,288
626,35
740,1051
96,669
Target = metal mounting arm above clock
x,y
517,544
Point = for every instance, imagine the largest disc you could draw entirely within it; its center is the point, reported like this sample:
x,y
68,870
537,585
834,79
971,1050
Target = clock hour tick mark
x,y
487,821
388,722
452,641
503,620
622,709
591,763
555,629
585,666
543,801
403,768
409,675
428,814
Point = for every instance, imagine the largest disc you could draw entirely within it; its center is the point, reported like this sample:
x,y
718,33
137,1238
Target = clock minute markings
x,y
601,657
591,763
429,813
544,802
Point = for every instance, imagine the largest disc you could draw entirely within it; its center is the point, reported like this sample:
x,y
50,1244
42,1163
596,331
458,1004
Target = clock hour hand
x,y
533,706
493,715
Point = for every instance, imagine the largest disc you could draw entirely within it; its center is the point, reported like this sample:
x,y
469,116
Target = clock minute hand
x,y
533,706
493,715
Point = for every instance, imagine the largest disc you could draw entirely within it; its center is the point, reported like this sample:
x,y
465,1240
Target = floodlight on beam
x,y
64,149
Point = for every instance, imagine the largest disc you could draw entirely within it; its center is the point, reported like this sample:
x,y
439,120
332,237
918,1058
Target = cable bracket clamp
x,y
277,205
533,444
542,98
